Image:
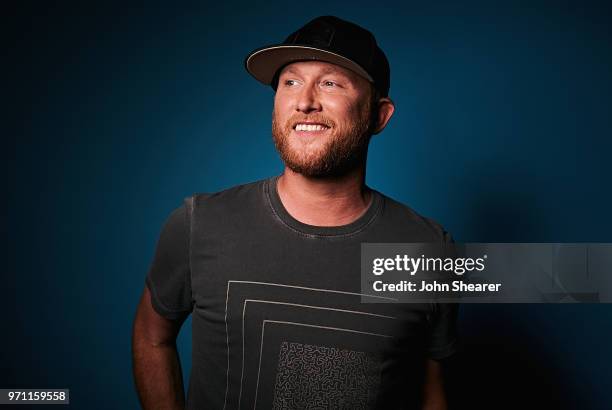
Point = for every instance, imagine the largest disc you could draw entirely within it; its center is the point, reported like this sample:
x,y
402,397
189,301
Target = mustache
x,y
296,119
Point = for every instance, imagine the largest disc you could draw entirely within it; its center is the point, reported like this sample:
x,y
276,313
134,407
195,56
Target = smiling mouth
x,y
306,127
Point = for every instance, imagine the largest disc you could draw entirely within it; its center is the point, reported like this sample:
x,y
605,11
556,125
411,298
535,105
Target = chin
x,y
322,167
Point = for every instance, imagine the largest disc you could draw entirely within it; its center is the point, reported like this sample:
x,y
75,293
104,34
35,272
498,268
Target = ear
x,y
385,111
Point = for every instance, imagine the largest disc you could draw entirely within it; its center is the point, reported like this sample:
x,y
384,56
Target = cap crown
x,y
349,40
325,38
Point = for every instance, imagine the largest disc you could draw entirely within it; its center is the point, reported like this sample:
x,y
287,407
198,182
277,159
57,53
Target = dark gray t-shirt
x,y
278,321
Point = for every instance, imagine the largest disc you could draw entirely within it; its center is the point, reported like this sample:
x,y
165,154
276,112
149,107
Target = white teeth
x,y
310,127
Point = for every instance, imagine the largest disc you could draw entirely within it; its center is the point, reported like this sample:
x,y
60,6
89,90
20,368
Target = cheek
x,y
348,115
283,110
283,101
279,116
343,108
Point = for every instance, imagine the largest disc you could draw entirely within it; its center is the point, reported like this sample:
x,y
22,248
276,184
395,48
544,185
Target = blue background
x,y
115,113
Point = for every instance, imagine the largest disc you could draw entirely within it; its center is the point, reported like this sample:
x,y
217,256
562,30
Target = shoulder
x,y
176,220
236,201
403,215
237,191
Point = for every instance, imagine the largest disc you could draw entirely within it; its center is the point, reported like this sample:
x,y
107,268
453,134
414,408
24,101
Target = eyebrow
x,y
326,70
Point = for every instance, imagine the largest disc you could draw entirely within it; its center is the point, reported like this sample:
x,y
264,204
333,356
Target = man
x,y
270,270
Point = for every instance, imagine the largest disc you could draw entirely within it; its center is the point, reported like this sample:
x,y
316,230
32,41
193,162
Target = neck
x,y
328,201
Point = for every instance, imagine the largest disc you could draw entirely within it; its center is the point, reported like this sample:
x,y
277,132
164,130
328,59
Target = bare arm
x,y
434,397
157,369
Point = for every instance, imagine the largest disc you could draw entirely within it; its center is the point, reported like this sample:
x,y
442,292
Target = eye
x,y
290,83
328,83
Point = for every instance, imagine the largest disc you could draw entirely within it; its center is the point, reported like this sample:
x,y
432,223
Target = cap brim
x,y
265,62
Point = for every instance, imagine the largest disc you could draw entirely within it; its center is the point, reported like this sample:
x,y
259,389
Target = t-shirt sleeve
x,y
442,331
442,321
169,276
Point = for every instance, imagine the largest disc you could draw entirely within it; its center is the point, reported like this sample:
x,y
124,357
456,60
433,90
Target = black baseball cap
x,y
329,39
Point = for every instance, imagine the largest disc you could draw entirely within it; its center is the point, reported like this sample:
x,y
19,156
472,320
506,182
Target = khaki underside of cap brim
x,y
263,64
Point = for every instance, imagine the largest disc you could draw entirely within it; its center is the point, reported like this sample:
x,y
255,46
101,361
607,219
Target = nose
x,y
308,99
